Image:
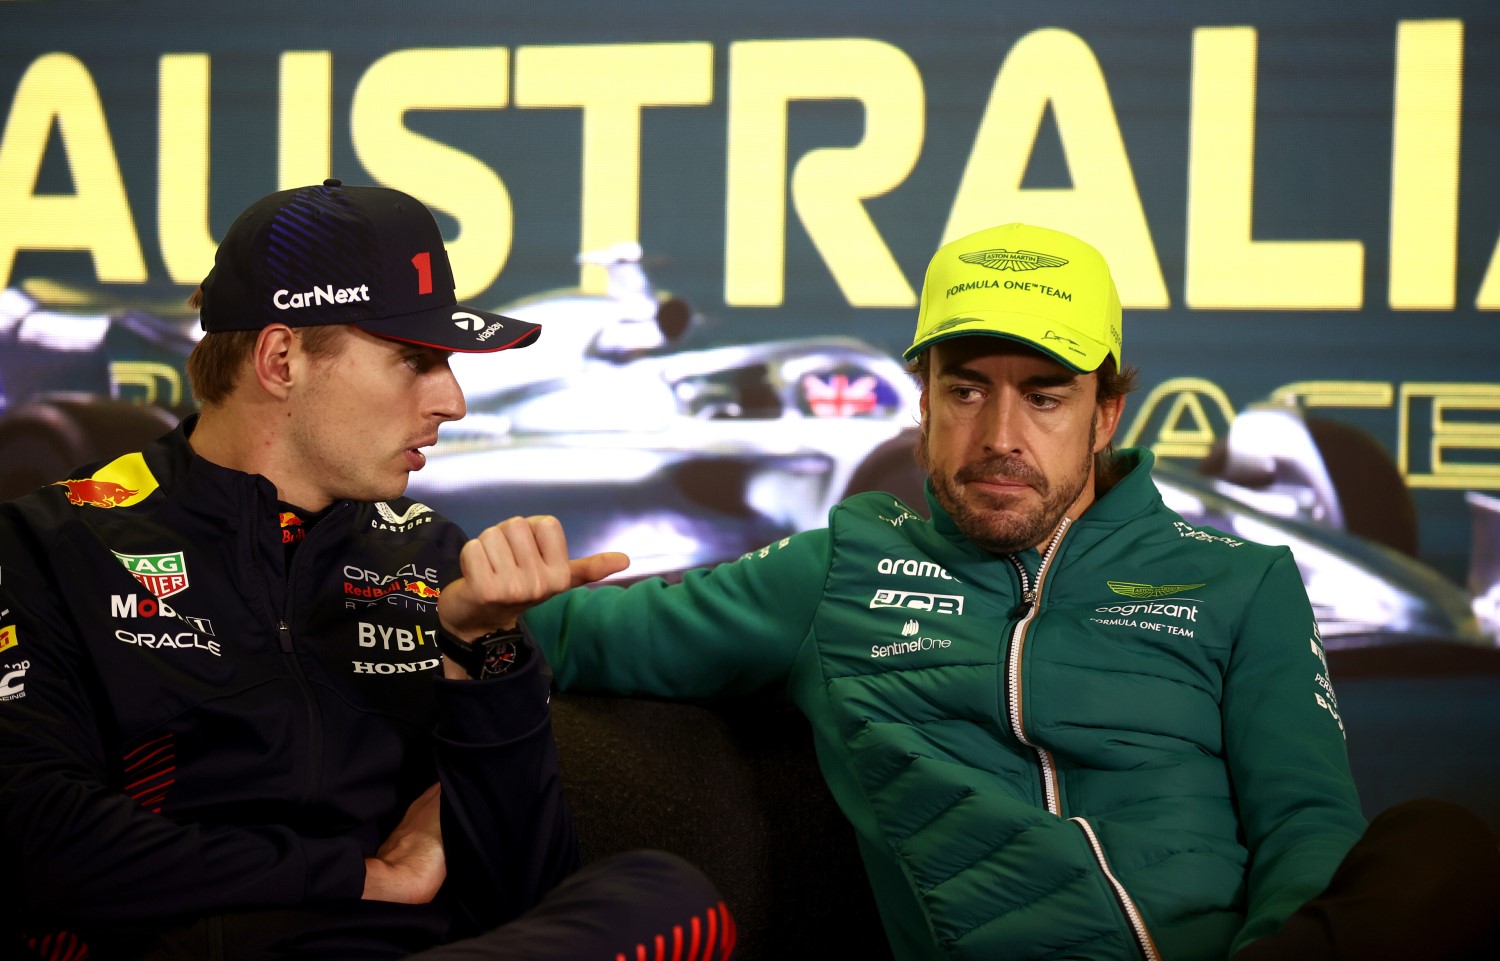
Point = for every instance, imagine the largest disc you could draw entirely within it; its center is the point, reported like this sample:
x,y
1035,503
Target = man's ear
x,y
274,350
1106,420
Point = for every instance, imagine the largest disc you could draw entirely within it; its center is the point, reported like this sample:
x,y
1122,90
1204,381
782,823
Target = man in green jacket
x,y
1063,722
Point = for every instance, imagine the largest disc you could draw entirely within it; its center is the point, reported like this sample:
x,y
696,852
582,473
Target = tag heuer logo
x,y
1131,589
161,574
1001,259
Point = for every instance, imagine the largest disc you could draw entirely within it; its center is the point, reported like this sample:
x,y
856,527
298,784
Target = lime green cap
x,y
1041,287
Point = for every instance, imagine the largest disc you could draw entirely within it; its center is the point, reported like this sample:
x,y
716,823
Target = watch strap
x,y
485,657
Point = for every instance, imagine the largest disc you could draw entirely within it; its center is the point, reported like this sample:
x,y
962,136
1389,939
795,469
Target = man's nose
x,y
1003,427
448,401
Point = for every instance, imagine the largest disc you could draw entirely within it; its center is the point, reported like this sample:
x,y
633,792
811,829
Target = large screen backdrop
x,y
1299,200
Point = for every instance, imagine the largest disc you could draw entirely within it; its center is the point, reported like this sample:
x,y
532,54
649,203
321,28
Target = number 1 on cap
x,y
423,263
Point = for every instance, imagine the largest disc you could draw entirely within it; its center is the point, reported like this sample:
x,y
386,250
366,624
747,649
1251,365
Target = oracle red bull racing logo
x,y
96,493
410,587
161,574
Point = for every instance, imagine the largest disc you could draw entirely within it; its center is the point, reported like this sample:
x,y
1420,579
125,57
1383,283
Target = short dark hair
x,y
214,366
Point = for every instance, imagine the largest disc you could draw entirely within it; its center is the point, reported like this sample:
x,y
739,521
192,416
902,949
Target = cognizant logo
x,y
1187,612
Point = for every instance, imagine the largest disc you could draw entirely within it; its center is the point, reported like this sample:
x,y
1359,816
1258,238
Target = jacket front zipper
x,y
1031,602
1143,938
288,650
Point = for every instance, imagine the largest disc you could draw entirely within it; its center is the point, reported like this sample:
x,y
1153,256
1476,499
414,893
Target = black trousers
x,y
637,906
1422,883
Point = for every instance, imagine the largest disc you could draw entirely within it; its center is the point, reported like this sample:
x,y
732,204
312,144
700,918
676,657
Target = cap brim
x,y
1070,348
457,327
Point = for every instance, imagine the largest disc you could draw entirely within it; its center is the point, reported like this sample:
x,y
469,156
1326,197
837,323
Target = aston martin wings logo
x,y
1131,589
999,258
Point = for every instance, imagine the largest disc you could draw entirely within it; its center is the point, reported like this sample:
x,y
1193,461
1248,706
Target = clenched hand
x,y
512,566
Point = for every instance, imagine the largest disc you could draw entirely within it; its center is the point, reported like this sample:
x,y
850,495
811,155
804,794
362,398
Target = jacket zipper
x,y
1127,904
1031,604
1030,600
288,650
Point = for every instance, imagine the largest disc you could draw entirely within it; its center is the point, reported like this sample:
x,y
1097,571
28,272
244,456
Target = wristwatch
x,y
485,657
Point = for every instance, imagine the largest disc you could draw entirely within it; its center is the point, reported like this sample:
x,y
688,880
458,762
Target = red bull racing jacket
x,y
1123,746
196,738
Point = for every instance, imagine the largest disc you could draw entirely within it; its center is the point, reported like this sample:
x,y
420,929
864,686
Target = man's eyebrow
x,y
1063,378
1067,379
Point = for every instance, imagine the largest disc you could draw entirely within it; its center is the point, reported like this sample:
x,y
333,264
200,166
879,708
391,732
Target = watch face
x,y
500,655
488,656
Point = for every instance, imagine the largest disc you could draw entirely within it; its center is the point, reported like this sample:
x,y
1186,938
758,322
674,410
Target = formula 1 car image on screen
x,y
683,457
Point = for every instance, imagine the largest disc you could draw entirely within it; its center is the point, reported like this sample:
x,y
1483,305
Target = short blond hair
x,y
215,365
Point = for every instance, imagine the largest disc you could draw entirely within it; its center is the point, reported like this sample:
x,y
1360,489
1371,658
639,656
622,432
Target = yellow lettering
x,y
96,218
1226,266
1103,205
460,78
612,83
1187,428
187,245
828,184
160,383
1456,417
1489,288
1424,165
1335,393
305,134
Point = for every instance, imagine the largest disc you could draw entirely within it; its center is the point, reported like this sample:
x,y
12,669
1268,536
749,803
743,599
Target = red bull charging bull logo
x,y
96,493
123,482
423,589
292,531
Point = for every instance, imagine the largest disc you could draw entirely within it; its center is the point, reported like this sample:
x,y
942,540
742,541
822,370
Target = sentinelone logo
x,y
917,643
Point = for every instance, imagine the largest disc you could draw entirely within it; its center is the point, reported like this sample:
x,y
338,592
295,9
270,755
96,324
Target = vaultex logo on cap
x,y
1040,287
330,254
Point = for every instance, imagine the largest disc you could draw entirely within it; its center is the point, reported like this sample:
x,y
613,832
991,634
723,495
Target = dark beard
x,y
1012,533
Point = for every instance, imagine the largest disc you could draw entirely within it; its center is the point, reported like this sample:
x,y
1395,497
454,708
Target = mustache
x,y
1001,468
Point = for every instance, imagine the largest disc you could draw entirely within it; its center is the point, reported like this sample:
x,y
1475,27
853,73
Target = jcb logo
x,y
936,603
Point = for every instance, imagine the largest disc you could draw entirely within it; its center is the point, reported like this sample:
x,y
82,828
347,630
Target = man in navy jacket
x,y
256,702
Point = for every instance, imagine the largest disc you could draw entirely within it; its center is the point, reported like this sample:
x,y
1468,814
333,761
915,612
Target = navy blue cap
x,y
335,254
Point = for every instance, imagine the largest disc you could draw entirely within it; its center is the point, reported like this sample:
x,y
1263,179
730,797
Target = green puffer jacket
x,y
1125,746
